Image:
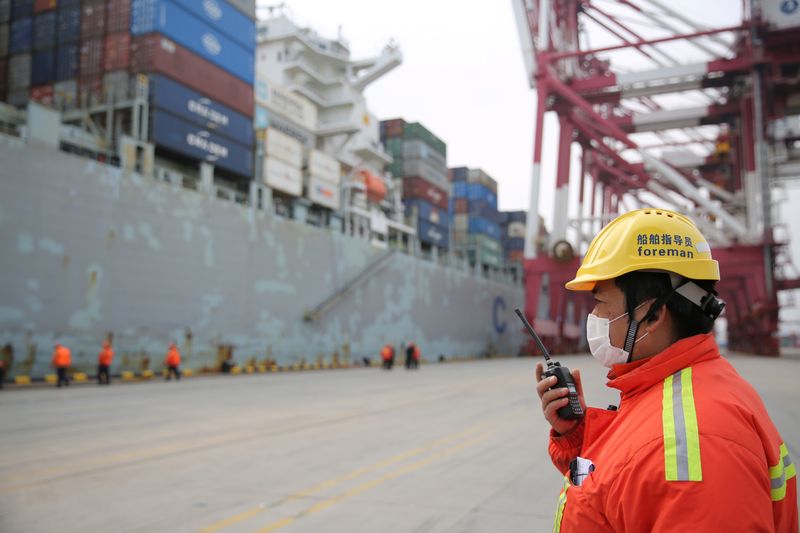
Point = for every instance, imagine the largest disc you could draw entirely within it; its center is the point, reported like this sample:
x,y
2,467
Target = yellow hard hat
x,y
646,239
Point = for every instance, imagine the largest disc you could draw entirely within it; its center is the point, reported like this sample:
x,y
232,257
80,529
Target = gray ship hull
x,y
88,251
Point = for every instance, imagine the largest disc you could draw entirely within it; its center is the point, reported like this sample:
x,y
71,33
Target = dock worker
x,y
62,360
2,372
691,446
173,362
387,356
104,360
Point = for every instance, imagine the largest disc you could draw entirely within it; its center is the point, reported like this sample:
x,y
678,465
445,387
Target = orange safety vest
x,y
62,357
416,353
691,448
173,357
386,352
106,356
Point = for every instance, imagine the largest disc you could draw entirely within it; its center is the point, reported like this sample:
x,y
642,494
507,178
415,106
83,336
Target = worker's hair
x,y
639,286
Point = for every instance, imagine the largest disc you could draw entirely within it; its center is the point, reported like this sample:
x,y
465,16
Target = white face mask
x,y
597,333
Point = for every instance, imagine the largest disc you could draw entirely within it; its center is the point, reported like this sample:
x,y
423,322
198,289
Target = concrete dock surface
x,y
457,447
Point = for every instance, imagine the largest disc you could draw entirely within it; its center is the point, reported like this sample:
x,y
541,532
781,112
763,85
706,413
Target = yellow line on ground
x,y
330,483
369,485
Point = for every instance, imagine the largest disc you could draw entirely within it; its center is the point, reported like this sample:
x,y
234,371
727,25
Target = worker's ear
x,y
654,318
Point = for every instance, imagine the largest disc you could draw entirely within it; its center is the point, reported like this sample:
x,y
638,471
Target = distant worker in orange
x,y
173,362
104,363
387,355
2,372
62,359
415,356
412,356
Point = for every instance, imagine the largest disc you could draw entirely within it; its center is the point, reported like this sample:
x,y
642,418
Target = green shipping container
x,y
415,130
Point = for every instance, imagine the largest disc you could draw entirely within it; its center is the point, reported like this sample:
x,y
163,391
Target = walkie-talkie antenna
x,y
534,335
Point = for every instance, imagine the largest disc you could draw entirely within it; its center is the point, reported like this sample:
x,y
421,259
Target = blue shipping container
x,y
459,174
67,62
433,234
225,18
483,209
486,227
69,24
460,189
193,141
426,211
21,36
192,106
43,67
478,191
21,9
517,216
514,243
44,30
173,21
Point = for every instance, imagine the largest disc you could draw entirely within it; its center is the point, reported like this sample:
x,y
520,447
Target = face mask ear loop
x,y
630,338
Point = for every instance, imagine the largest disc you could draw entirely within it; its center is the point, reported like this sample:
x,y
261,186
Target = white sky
x,y
464,78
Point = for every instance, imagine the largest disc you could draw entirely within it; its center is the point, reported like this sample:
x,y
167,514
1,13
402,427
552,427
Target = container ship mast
x,y
707,125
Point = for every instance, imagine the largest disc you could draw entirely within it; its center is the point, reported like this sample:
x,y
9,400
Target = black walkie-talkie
x,y
573,409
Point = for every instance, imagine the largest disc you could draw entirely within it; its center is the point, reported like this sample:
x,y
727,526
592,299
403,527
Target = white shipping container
x,y
278,145
476,175
280,100
431,173
323,166
283,177
781,13
416,149
324,193
461,222
516,229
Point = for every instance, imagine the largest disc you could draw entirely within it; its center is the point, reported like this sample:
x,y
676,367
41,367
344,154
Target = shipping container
x,y
169,131
65,94
417,149
193,107
415,130
40,6
323,166
21,39
90,90
19,73
515,256
91,57
5,34
44,30
282,177
460,205
43,67
476,175
458,173
116,51
486,258
42,94
118,16
19,98
483,209
419,189
392,128
69,23
426,211
67,62
461,223
276,122
155,53
176,23
324,193
394,147
474,192
284,102
278,145
515,229
436,174
483,242
117,85
225,18
486,227
21,9
248,7
5,11
433,234
514,243
93,19
517,216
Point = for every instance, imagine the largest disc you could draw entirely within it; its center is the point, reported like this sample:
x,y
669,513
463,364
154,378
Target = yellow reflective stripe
x,y
679,423
692,434
668,422
562,502
780,474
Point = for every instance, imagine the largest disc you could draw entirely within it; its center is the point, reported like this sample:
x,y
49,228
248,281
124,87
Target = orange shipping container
x,y
44,5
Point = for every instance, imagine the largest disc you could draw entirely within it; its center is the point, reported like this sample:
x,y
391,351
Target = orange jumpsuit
x,y
691,448
62,357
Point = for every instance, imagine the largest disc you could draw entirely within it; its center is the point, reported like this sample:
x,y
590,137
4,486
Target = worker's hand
x,y
553,400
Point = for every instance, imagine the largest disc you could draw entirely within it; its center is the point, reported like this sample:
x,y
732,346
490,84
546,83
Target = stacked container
x,y
512,227
473,209
324,179
420,160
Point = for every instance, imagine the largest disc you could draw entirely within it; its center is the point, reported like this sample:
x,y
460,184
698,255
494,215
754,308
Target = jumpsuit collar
x,y
638,376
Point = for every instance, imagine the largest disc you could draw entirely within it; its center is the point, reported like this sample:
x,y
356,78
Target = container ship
x,y
179,171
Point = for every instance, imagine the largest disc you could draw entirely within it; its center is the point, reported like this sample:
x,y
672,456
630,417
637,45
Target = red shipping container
x,y
42,94
393,127
154,53
91,57
117,51
93,18
420,189
461,205
44,5
118,16
515,256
